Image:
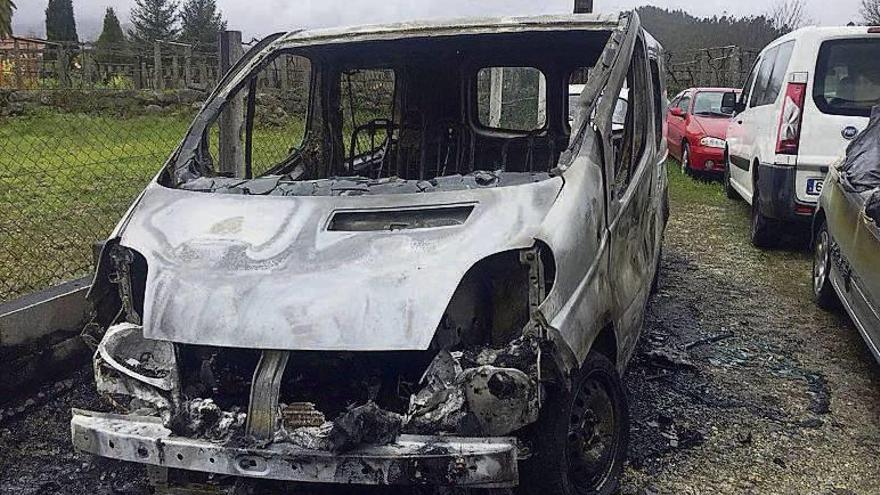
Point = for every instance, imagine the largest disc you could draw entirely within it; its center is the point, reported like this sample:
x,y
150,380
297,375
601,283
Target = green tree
x,y
111,42
112,32
6,9
153,20
200,22
60,24
871,12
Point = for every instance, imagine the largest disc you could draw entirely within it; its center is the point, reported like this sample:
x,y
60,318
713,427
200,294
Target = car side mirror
x,y
677,112
730,103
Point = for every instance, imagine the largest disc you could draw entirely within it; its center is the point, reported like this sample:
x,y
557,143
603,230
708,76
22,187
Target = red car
x,y
698,129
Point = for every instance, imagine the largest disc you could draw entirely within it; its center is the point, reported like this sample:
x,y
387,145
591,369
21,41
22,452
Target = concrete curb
x,y
39,336
36,315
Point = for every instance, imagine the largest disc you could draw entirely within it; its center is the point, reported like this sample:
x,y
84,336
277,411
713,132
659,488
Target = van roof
x,y
819,33
453,27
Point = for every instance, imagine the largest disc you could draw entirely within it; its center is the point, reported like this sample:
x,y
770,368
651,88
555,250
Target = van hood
x,y
286,272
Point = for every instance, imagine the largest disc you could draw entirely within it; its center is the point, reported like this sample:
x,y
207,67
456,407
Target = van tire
x,y
595,412
764,231
823,291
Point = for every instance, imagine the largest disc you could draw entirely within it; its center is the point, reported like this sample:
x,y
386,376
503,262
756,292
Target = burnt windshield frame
x,y
194,159
822,67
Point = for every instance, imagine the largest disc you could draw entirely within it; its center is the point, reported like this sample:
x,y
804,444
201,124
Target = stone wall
x,y
105,102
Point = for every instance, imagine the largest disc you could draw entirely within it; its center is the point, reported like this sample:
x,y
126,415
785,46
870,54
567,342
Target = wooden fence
x,y
25,64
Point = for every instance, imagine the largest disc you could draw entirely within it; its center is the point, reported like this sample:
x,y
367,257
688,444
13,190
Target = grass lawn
x,y
717,227
66,179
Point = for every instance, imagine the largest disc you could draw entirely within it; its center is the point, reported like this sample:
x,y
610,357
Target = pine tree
x,y
60,24
112,32
200,22
153,20
7,7
111,42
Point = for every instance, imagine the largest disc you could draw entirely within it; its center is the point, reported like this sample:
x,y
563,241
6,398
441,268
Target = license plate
x,y
814,187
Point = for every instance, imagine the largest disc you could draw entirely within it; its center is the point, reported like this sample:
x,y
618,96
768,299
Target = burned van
x,y
385,255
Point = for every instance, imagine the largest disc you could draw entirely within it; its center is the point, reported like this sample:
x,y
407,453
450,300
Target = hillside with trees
x,y
679,31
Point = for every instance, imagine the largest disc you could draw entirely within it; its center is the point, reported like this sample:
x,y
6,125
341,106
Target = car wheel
x,y
728,187
823,291
764,231
581,437
685,159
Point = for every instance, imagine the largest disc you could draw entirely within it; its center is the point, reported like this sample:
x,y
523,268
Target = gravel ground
x,y
741,385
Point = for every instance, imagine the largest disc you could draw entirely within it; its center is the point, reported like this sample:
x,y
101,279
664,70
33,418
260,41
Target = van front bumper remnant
x,y
410,460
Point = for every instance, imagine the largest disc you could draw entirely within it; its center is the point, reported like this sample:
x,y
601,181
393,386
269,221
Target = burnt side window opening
x,y
263,126
659,102
394,116
630,140
512,98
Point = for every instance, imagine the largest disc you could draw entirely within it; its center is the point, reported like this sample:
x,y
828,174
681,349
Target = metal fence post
x,y
232,118
158,76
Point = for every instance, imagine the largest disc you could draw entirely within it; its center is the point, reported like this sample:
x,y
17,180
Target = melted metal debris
x,y
490,392
279,185
202,418
365,424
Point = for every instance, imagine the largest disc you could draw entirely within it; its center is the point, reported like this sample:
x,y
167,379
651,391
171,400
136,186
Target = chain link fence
x,y
83,128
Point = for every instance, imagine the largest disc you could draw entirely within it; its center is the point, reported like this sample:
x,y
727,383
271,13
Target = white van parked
x,y
809,94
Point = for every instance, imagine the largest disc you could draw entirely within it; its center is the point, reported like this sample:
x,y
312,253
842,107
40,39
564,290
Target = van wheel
x,y
581,436
728,187
823,291
685,159
764,231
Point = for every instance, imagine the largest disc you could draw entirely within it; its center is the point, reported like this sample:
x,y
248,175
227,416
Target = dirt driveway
x,y
741,384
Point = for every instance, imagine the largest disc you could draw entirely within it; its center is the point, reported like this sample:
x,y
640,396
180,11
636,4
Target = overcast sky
x,y
260,17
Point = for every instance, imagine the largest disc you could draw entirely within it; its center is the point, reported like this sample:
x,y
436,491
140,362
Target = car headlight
x,y
712,142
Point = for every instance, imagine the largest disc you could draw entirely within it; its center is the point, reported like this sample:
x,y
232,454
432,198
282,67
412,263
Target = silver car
x,y
383,255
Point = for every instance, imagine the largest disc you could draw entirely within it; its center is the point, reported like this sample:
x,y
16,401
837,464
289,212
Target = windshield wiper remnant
x,y
276,185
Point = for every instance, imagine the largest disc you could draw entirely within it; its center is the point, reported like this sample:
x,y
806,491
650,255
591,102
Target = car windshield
x,y
848,77
708,103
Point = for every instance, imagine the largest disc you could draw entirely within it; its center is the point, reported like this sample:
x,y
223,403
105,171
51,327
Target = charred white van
x,y
406,266
809,94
